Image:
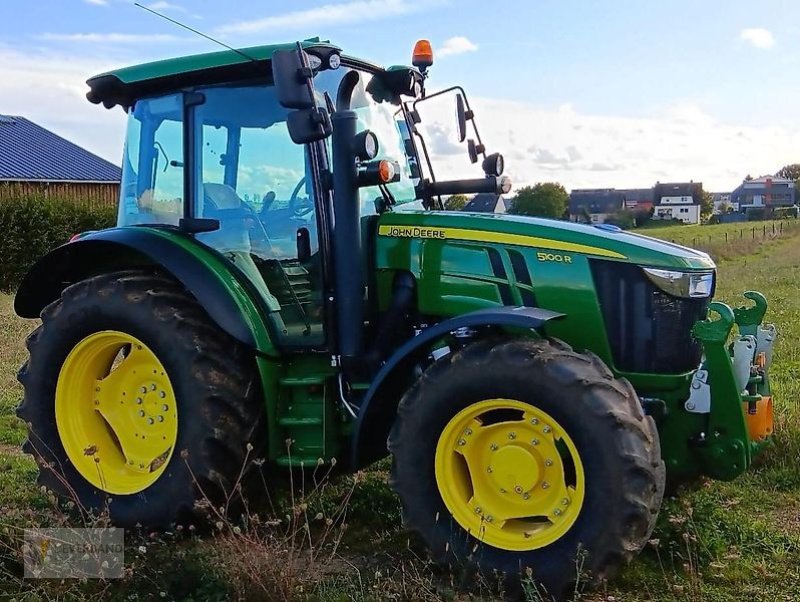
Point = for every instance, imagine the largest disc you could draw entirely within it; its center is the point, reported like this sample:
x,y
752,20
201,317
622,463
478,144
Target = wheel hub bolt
x,y
493,447
139,400
535,442
545,485
468,432
489,518
150,421
477,509
518,489
548,462
526,496
534,421
546,429
141,413
557,512
96,402
165,407
488,469
153,387
512,435
163,394
462,442
143,390
161,419
564,502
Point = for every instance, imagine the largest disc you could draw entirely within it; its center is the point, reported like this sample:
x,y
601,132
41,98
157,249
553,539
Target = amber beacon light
x,y
423,55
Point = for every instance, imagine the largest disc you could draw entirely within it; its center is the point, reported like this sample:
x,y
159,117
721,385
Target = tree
x,y
456,202
548,199
790,172
706,203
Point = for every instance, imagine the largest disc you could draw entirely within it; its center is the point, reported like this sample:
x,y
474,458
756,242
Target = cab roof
x,y
123,86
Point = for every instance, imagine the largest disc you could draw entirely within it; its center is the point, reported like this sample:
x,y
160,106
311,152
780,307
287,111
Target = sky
x,y
590,93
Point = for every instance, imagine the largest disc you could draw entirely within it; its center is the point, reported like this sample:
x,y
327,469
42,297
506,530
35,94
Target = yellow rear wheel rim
x,y
509,474
116,413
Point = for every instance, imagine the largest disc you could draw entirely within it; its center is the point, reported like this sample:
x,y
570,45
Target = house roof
x,y
28,152
689,189
640,195
603,200
485,202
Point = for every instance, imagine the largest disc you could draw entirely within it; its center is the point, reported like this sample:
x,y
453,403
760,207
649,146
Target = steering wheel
x,y
300,208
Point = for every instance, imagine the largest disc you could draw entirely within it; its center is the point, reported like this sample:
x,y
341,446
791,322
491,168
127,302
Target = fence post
x,y
765,231
754,232
726,238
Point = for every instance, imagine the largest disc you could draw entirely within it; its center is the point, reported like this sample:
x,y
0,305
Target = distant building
x,y
766,192
487,202
34,160
677,200
598,203
638,199
722,200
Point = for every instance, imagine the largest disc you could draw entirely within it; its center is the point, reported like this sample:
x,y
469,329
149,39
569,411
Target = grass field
x,y
717,542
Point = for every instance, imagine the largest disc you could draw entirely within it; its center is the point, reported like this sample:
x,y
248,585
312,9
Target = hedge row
x,y
33,226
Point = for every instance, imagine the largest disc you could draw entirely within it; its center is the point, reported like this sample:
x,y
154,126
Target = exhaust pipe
x,y
348,271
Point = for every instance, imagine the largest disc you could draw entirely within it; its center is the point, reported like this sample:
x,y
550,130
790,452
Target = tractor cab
x,y
219,159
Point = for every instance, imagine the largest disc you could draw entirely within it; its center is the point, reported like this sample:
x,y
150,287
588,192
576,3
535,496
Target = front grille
x,y
649,331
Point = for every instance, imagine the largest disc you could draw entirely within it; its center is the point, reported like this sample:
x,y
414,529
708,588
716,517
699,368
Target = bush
x,y
34,226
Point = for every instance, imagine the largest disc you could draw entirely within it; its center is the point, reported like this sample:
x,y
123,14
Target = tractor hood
x,y
603,241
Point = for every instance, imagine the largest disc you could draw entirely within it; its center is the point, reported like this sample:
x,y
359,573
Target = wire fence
x,y
729,240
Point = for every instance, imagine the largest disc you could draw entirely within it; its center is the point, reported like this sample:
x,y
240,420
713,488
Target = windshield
x,y
386,121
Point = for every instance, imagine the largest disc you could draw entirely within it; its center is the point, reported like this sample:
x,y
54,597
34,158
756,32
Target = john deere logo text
x,y
413,232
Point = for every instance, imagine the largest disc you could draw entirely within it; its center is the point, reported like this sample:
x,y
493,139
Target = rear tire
x,y
618,449
216,391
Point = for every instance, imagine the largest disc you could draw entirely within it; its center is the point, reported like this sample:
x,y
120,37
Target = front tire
x,y
136,403
525,457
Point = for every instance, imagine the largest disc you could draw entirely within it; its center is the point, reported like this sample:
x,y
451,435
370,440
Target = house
x,y
766,192
486,202
598,203
677,200
34,160
723,202
638,199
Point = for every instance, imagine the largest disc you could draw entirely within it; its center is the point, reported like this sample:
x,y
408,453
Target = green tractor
x,y
283,283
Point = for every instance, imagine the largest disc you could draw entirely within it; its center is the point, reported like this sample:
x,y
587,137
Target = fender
x,y
213,281
379,406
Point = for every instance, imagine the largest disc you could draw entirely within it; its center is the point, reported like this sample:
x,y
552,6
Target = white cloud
x,y
758,37
582,150
97,2
457,45
166,7
355,11
108,37
50,89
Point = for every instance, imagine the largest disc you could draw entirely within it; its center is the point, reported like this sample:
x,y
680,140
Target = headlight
x,y
682,284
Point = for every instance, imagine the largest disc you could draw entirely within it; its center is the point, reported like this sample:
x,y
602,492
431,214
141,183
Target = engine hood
x,y
546,234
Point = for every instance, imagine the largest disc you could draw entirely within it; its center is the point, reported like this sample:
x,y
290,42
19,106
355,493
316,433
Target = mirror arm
x,y
469,112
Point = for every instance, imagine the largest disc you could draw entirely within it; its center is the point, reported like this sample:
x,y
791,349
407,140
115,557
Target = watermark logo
x,y
74,553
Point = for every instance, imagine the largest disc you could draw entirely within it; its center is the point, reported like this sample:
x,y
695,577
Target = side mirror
x,y
309,125
461,118
291,77
294,82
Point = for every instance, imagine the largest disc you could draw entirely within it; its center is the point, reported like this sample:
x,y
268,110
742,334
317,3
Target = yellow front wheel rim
x,y
116,412
510,474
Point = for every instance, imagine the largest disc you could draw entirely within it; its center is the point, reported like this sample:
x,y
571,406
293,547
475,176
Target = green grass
x,y
718,542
